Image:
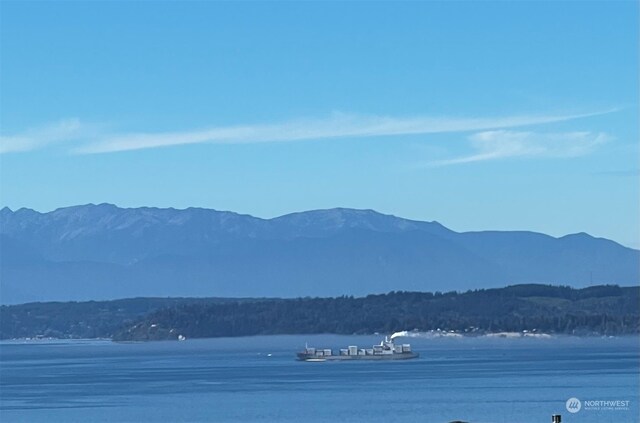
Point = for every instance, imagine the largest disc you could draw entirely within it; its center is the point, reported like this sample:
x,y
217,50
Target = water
x,y
234,379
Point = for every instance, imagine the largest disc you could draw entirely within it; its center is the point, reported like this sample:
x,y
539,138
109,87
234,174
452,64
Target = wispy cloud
x,y
32,139
502,144
338,125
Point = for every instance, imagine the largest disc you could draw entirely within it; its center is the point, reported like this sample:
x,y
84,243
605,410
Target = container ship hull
x,y
387,350
402,356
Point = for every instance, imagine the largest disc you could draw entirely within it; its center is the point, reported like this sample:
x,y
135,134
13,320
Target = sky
x,y
479,115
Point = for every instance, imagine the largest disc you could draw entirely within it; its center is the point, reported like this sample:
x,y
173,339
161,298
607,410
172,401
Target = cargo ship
x,y
386,350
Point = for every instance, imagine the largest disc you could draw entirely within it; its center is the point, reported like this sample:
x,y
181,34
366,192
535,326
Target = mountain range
x,y
92,252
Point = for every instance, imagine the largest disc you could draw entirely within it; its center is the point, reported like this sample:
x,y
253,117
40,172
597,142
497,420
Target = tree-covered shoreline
x,y
596,310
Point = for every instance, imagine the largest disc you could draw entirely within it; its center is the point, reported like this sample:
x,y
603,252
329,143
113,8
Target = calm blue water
x,y
233,380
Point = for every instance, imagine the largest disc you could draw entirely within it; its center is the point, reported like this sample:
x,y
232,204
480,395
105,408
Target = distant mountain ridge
x,y
104,252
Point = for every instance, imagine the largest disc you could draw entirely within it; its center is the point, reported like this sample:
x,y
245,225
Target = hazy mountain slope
x,y
102,251
573,259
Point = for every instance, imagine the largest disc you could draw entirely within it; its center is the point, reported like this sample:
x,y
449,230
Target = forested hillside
x,y
609,310
597,310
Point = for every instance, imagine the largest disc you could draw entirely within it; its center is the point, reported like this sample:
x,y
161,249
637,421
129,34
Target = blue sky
x,y
480,115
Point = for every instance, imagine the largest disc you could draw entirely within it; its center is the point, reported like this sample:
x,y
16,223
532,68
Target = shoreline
x,y
428,335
